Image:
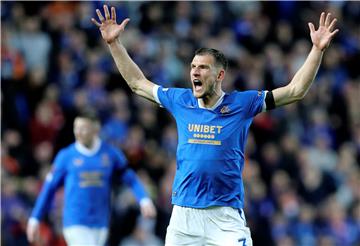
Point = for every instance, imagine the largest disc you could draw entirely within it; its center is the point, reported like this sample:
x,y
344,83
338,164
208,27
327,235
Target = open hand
x,y
110,30
324,34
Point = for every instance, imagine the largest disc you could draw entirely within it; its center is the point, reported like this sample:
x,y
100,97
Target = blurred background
x,y
302,177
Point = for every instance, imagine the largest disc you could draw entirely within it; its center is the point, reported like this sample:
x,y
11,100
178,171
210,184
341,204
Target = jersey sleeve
x,y
129,177
165,97
53,181
254,102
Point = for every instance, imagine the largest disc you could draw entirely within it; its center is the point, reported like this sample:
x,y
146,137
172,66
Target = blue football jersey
x,y
210,152
87,180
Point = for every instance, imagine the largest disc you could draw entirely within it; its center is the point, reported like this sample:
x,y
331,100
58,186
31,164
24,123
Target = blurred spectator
x,y
337,225
315,185
13,213
12,61
46,123
303,229
8,163
116,127
143,234
33,43
134,146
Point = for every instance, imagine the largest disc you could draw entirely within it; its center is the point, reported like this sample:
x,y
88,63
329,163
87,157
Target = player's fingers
x,y
124,23
327,20
311,27
113,13
37,235
334,32
30,238
101,18
106,12
322,19
30,233
95,22
332,24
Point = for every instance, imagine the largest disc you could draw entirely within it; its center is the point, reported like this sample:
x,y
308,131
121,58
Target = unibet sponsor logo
x,y
204,134
91,178
204,128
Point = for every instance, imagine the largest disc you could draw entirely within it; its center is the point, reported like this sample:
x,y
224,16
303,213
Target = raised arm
x,y
111,32
301,82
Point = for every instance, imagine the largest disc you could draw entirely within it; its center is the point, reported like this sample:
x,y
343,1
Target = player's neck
x,y
88,145
210,100
88,150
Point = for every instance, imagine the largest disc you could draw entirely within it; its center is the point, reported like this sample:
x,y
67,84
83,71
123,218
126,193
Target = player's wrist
x,y
33,222
317,49
111,42
114,42
145,201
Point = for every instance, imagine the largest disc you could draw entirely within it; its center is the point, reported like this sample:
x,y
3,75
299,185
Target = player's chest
x,y
99,164
207,126
224,115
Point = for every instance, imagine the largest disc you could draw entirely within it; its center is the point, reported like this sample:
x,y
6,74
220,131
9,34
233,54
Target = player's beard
x,y
208,92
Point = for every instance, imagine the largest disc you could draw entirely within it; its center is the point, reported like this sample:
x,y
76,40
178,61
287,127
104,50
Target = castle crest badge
x,y
225,110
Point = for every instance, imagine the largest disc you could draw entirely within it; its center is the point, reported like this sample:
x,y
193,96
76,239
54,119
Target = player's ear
x,y
221,75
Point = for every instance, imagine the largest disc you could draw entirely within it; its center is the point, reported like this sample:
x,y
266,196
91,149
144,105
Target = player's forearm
x,y
301,82
43,202
132,180
305,76
126,66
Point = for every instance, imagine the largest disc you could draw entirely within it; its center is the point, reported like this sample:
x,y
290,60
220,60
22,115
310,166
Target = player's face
x,y
85,131
203,75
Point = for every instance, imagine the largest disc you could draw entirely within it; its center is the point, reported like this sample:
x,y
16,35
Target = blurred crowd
x,y
302,172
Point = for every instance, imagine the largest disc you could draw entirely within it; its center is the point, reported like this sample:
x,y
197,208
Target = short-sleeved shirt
x,y
210,152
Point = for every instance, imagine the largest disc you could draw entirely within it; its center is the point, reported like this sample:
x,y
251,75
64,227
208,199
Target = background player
x,y
86,168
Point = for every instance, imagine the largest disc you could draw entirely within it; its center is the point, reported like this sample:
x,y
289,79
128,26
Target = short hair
x,y
89,114
220,58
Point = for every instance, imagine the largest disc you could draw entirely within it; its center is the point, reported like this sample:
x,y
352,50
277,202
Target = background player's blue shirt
x,y
87,180
210,153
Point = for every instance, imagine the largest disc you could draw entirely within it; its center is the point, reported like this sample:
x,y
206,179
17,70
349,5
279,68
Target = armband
x,y
269,101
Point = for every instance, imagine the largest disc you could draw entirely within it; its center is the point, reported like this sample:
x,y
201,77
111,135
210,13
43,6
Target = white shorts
x,y
209,226
79,235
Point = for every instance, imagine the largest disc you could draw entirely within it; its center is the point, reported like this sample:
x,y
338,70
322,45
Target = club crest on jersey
x,y
105,160
225,110
78,162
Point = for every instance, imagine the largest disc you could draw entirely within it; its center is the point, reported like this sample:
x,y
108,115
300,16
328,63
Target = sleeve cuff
x,y
33,221
155,93
145,201
264,103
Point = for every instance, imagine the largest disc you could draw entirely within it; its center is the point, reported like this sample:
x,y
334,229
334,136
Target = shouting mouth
x,y
197,84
